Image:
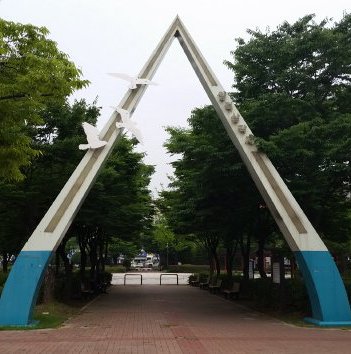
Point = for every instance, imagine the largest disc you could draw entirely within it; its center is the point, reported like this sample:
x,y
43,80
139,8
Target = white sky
x,y
103,36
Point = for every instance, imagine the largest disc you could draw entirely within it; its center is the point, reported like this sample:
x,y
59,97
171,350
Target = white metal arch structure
x,y
326,290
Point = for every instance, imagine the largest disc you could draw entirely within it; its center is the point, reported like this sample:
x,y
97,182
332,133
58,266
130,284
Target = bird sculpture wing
x,y
122,76
133,80
131,127
136,132
92,134
123,112
124,116
145,82
128,124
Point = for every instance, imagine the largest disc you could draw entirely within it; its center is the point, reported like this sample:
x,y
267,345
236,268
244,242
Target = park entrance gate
x,y
325,287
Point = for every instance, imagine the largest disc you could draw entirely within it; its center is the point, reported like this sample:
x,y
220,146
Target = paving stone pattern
x,y
152,319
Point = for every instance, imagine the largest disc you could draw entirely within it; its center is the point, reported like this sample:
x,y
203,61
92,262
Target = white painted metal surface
x,y
292,221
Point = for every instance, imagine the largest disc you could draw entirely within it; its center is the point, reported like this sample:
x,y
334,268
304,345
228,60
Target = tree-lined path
x,y
171,319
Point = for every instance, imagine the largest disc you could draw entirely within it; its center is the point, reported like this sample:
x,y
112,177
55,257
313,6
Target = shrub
x,y
127,263
288,297
115,269
106,277
3,277
67,287
192,277
188,268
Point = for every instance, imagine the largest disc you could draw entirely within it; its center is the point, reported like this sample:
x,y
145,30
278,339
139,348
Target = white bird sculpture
x,y
134,81
92,136
128,124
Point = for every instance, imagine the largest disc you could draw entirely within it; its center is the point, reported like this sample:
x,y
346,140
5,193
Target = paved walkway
x,y
172,319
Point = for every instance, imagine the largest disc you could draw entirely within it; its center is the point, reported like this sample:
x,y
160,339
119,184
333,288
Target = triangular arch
x,y
326,290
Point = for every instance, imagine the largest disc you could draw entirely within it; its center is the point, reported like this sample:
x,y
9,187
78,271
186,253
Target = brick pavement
x,y
170,319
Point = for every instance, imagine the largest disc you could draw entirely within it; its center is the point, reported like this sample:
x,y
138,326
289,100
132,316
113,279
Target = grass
x,y
295,318
115,269
51,315
188,268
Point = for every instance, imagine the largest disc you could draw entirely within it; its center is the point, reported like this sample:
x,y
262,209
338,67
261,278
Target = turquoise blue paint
x,y
326,290
22,286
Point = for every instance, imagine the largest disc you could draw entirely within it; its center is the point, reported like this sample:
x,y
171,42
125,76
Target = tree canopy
x,y
118,206
293,86
212,195
34,73
30,198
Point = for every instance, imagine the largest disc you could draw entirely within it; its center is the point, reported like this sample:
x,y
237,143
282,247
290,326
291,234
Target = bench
x,y
101,287
216,286
234,290
86,292
204,284
95,288
195,280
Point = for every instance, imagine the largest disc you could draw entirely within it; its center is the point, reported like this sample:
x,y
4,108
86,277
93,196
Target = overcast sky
x,y
103,36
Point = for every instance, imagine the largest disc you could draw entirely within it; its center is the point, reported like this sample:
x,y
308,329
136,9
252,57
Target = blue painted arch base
x,y
325,287
21,290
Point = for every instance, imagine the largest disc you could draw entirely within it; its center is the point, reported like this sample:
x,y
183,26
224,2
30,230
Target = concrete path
x,y
172,319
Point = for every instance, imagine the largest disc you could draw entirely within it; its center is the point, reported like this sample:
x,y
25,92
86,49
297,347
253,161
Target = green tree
x,y
28,200
213,196
118,207
127,248
292,85
163,236
33,75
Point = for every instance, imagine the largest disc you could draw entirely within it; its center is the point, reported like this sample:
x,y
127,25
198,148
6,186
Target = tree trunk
x,y
105,255
245,251
93,260
215,260
57,263
211,263
262,230
217,263
48,285
5,262
260,257
68,269
230,254
62,253
229,262
211,244
83,257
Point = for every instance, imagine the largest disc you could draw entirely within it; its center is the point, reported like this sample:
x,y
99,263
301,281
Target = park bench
x,y
101,287
215,286
195,280
234,290
94,287
204,284
86,291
